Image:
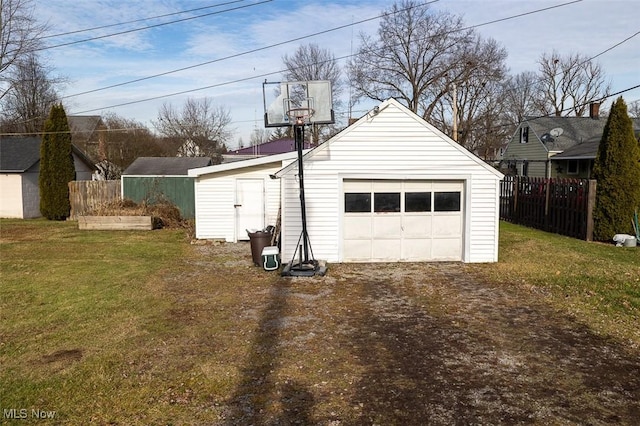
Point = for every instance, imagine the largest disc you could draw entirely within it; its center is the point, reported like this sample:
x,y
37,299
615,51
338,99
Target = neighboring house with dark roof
x,y
87,133
564,147
153,179
20,173
278,146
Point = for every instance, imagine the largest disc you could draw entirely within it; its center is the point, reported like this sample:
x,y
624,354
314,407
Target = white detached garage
x,y
391,187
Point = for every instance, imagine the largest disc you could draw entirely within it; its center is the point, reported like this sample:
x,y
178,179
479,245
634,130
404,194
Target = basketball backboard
x,y
310,97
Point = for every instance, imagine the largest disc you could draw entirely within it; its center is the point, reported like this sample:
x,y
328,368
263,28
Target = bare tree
x,y
259,136
280,133
569,83
20,35
124,140
201,127
634,109
30,97
416,57
311,62
476,96
521,97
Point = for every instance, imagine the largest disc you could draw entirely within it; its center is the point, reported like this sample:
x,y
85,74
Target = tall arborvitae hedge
x,y
617,170
56,166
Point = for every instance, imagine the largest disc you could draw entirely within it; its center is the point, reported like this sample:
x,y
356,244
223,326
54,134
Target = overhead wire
x,y
117,24
279,44
303,37
236,55
149,26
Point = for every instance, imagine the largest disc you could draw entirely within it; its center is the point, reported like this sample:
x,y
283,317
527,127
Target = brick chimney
x,y
594,110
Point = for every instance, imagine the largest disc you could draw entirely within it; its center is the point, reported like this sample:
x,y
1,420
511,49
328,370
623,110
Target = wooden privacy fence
x,y
89,194
562,206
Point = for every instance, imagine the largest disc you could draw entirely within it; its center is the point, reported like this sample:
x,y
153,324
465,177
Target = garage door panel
x,y
385,250
446,248
387,186
387,226
416,249
359,250
416,226
447,186
409,220
447,225
357,186
357,227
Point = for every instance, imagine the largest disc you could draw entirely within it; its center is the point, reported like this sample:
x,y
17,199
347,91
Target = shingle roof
x,y
277,146
575,130
165,166
18,154
83,125
580,135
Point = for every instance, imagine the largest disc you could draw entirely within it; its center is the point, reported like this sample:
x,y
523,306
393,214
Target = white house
x,y
391,187
20,173
233,197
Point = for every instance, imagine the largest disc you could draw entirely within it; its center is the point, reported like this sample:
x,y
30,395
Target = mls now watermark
x,y
23,414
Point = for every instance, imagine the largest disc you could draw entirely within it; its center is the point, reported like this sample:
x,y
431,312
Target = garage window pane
x,y
446,202
357,202
417,201
385,202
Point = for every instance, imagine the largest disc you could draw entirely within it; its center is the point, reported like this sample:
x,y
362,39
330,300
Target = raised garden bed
x,y
118,223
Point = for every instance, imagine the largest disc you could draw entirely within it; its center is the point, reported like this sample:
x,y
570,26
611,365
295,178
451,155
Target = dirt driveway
x,y
401,344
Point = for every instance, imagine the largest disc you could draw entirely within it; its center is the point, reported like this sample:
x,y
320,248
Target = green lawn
x,y
120,328
598,283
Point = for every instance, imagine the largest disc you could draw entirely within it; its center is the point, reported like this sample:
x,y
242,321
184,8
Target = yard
x,y
145,328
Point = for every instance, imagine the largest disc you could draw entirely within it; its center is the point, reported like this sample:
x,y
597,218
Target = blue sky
x,y
588,27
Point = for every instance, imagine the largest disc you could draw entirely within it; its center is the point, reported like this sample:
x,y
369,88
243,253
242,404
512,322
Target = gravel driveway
x,y
415,343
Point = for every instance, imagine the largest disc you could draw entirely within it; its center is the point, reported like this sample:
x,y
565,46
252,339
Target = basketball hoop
x,y
300,116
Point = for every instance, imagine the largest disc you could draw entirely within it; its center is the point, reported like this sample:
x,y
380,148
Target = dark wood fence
x,y
86,195
562,206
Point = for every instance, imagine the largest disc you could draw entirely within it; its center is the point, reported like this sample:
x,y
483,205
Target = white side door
x,y
249,206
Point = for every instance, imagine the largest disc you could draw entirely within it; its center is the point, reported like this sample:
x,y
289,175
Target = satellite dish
x,y
546,138
556,132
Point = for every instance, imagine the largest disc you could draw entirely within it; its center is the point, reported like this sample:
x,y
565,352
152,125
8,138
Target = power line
x,y
281,71
240,54
343,57
101,27
150,26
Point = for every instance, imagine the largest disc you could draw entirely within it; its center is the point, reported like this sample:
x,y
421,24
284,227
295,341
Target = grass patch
x,y
597,283
143,328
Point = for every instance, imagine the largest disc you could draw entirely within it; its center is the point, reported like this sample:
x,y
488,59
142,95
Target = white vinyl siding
x,y
394,145
215,196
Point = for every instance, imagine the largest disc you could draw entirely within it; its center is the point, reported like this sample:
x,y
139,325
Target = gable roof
x,y
165,166
277,146
251,162
84,123
378,111
18,153
575,131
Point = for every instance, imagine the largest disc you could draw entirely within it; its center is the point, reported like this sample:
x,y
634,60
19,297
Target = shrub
x,y
56,166
617,170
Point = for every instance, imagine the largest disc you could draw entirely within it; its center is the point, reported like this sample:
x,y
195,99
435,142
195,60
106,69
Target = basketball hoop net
x,y
300,116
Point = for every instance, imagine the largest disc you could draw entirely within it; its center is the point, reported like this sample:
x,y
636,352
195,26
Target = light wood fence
x,y
86,195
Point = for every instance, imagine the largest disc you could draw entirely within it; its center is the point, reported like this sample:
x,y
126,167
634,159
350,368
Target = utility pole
x,y
455,113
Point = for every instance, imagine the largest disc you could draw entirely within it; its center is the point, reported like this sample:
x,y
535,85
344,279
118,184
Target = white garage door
x,y
391,220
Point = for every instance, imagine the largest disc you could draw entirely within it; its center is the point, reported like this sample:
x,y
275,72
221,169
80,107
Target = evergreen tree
x,y
56,166
617,170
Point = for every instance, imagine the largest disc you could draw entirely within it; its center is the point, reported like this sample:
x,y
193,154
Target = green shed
x,y
154,178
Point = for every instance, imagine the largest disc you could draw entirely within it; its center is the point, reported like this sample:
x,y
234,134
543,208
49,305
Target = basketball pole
x,y
298,130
